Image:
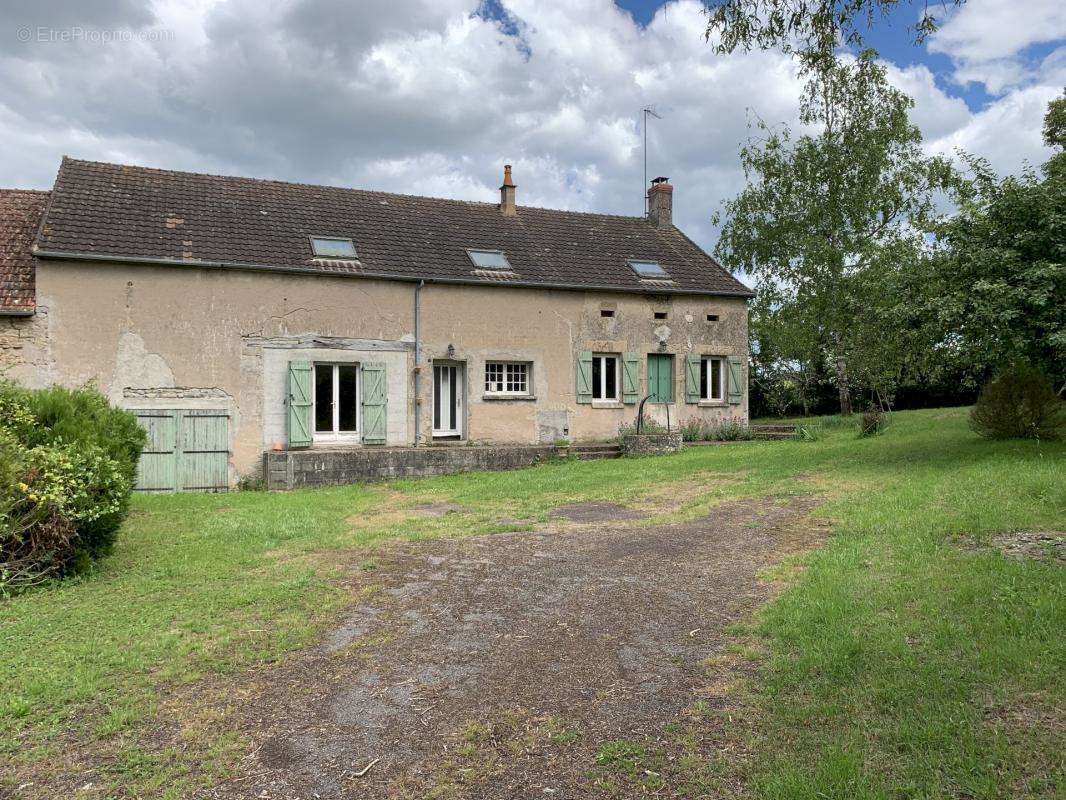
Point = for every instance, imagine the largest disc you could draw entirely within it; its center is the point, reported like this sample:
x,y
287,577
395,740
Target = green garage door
x,y
187,450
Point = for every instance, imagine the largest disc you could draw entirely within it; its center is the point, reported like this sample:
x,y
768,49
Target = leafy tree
x,y
996,282
813,29
823,209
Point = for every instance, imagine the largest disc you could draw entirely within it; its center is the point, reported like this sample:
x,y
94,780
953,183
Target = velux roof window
x,y
490,259
648,269
329,247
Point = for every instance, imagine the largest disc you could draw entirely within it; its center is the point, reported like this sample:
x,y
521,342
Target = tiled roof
x,y
20,214
132,213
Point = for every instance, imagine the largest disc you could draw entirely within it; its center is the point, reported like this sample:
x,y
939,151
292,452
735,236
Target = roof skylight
x,y
490,259
329,247
648,269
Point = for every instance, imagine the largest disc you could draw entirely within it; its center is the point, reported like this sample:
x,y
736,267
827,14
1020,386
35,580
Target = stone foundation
x,y
293,469
650,444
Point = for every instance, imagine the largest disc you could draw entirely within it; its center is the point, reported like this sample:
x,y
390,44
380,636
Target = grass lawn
x,y
905,660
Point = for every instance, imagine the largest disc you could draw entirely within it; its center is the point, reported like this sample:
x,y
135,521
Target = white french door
x,y
447,399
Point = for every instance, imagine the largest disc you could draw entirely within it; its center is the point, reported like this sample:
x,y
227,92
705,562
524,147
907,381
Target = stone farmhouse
x,y
250,322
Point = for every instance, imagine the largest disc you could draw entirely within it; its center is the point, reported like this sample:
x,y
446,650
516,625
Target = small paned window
x,y
712,317
327,247
604,377
648,269
712,378
506,377
336,400
660,315
489,259
606,312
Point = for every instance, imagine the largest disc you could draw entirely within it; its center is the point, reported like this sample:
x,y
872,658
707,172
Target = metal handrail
x,y
640,414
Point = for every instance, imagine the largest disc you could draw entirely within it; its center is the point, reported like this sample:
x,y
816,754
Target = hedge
x,y
68,462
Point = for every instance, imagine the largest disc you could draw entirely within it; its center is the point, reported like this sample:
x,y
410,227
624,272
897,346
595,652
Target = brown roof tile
x,y
20,214
135,213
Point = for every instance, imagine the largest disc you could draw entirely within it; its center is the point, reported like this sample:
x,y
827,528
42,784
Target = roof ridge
x,y
25,191
302,185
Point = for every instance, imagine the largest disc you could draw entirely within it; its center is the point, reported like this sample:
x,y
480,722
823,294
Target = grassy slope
x,y
900,664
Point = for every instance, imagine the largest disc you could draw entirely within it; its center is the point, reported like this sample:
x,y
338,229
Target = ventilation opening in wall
x,y
712,317
660,315
606,312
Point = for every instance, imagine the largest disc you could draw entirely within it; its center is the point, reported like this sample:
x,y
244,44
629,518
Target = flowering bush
x,y
697,430
67,466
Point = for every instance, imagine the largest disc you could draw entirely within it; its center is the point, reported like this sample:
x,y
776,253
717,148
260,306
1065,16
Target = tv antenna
x,y
646,111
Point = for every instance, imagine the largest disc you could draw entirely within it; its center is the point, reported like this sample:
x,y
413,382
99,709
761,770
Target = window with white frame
x,y
712,378
507,377
336,400
604,377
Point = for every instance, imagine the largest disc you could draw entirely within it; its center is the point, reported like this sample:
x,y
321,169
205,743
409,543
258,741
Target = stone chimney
x,y
661,203
507,205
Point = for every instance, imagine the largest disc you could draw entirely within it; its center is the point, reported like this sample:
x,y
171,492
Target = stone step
x,y
773,435
594,447
773,429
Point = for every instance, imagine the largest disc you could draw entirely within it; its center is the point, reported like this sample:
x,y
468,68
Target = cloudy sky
x,y
434,96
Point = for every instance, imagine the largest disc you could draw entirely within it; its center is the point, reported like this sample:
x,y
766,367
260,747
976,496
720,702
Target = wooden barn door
x,y
187,450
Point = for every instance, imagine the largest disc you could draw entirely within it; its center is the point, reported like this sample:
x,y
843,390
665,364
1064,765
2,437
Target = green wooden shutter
x,y
630,377
375,403
204,441
584,376
736,381
692,378
157,467
661,378
300,403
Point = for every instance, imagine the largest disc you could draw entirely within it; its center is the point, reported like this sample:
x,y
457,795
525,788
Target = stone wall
x,y
24,353
293,469
650,444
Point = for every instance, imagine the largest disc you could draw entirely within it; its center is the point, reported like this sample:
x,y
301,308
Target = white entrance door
x,y
447,399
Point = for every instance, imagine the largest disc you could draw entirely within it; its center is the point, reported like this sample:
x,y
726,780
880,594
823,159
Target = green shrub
x,y
808,432
730,431
649,426
68,461
698,430
872,422
694,430
1019,403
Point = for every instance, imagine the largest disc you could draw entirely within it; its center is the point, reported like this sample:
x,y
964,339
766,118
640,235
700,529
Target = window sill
x,y
712,404
607,404
329,441
504,397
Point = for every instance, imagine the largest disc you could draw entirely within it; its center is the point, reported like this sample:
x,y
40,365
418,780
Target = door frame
x,y
458,370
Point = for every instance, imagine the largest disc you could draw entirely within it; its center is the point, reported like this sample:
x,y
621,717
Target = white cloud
x,y
431,98
1008,133
986,39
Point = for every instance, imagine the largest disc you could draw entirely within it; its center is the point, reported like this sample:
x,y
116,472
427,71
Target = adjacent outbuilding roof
x,y
116,212
20,214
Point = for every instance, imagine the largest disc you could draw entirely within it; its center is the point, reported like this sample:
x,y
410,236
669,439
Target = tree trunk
x,y
842,387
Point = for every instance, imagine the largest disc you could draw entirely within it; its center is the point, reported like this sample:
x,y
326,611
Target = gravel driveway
x,y
497,666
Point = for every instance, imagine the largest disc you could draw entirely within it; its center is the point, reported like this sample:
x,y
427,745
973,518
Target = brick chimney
x,y
661,203
507,205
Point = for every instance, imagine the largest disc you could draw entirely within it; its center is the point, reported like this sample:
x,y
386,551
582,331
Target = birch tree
x,y
823,206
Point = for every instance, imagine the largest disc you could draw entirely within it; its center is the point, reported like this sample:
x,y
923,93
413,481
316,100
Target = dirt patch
x,y
436,509
1022,545
595,512
498,666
